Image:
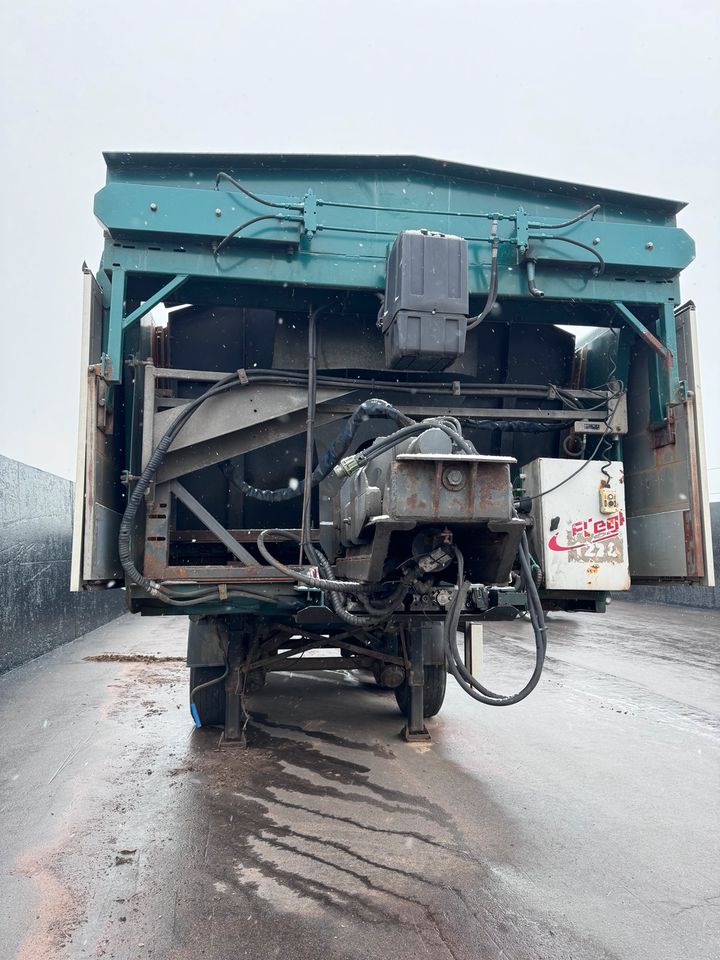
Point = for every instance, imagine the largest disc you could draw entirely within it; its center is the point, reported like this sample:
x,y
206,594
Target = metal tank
x,y
386,398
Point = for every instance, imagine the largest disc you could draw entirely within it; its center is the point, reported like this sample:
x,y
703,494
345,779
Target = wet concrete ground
x,y
582,823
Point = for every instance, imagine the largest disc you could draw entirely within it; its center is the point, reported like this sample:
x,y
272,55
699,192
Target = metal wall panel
x,y
691,594
37,610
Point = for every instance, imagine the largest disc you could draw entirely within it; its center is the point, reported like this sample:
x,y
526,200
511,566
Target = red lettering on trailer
x,y
593,531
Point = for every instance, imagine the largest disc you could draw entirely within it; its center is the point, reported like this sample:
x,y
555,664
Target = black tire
x,y
433,691
210,701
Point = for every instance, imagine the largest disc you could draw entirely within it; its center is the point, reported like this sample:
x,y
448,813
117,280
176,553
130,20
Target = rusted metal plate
x,y
454,491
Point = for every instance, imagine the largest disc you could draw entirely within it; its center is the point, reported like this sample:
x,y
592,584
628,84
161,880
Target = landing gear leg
x,y
415,729
235,717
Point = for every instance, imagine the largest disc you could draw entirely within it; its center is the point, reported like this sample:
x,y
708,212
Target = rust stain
x,y
59,910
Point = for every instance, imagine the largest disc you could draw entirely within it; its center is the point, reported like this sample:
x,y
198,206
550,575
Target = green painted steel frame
x,y
329,222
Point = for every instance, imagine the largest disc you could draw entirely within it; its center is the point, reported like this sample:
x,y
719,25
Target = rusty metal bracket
x,y
662,362
642,331
237,549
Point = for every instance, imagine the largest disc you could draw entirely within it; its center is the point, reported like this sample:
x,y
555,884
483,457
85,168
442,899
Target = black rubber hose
x,y
242,226
492,291
383,444
212,596
334,588
135,500
253,196
342,442
567,223
466,680
533,288
371,619
522,426
576,243
370,408
341,586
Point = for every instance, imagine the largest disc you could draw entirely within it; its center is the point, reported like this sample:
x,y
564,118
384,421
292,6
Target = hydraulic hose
x,y
253,196
567,223
135,499
576,243
374,617
370,408
334,588
493,286
467,681
202,686
383,444
185,597
340,586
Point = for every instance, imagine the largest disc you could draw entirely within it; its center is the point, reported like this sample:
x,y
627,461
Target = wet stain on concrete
x,y
131,658
327,837
378,749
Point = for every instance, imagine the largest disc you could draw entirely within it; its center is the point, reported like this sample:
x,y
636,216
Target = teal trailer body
x,y
263,328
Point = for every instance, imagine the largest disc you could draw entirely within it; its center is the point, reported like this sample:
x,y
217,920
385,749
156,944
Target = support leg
x,y
234,732
415,728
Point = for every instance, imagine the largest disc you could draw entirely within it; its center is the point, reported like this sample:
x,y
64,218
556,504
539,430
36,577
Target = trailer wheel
x,y
433,691
210,701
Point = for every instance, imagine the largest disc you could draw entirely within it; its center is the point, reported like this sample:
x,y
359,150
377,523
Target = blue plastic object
x,y
195,715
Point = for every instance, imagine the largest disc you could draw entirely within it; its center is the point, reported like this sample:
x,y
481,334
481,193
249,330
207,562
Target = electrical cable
x,y
190,599
572,476
440,388
608,443
341,586
135,499
253,196
383,444
165,592
370,619
519,426
329,584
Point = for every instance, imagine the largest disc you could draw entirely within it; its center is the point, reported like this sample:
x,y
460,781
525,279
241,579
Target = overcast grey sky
x,y
619,94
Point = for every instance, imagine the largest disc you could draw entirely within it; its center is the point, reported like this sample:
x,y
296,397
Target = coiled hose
x,y
335,588
467,681
370,408
136,498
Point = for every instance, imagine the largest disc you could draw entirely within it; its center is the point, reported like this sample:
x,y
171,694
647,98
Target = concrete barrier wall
x,y
37,609
687,596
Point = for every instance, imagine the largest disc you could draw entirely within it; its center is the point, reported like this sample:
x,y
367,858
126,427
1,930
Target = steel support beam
x,y
303,271
664,384
147,305
195,507
118,322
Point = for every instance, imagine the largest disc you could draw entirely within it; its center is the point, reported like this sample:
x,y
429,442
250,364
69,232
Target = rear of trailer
x,y
350,405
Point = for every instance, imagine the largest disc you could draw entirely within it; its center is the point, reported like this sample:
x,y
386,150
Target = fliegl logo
x,y
584,532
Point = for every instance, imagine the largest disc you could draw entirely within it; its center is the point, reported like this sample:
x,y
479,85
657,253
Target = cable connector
x,y
349,466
